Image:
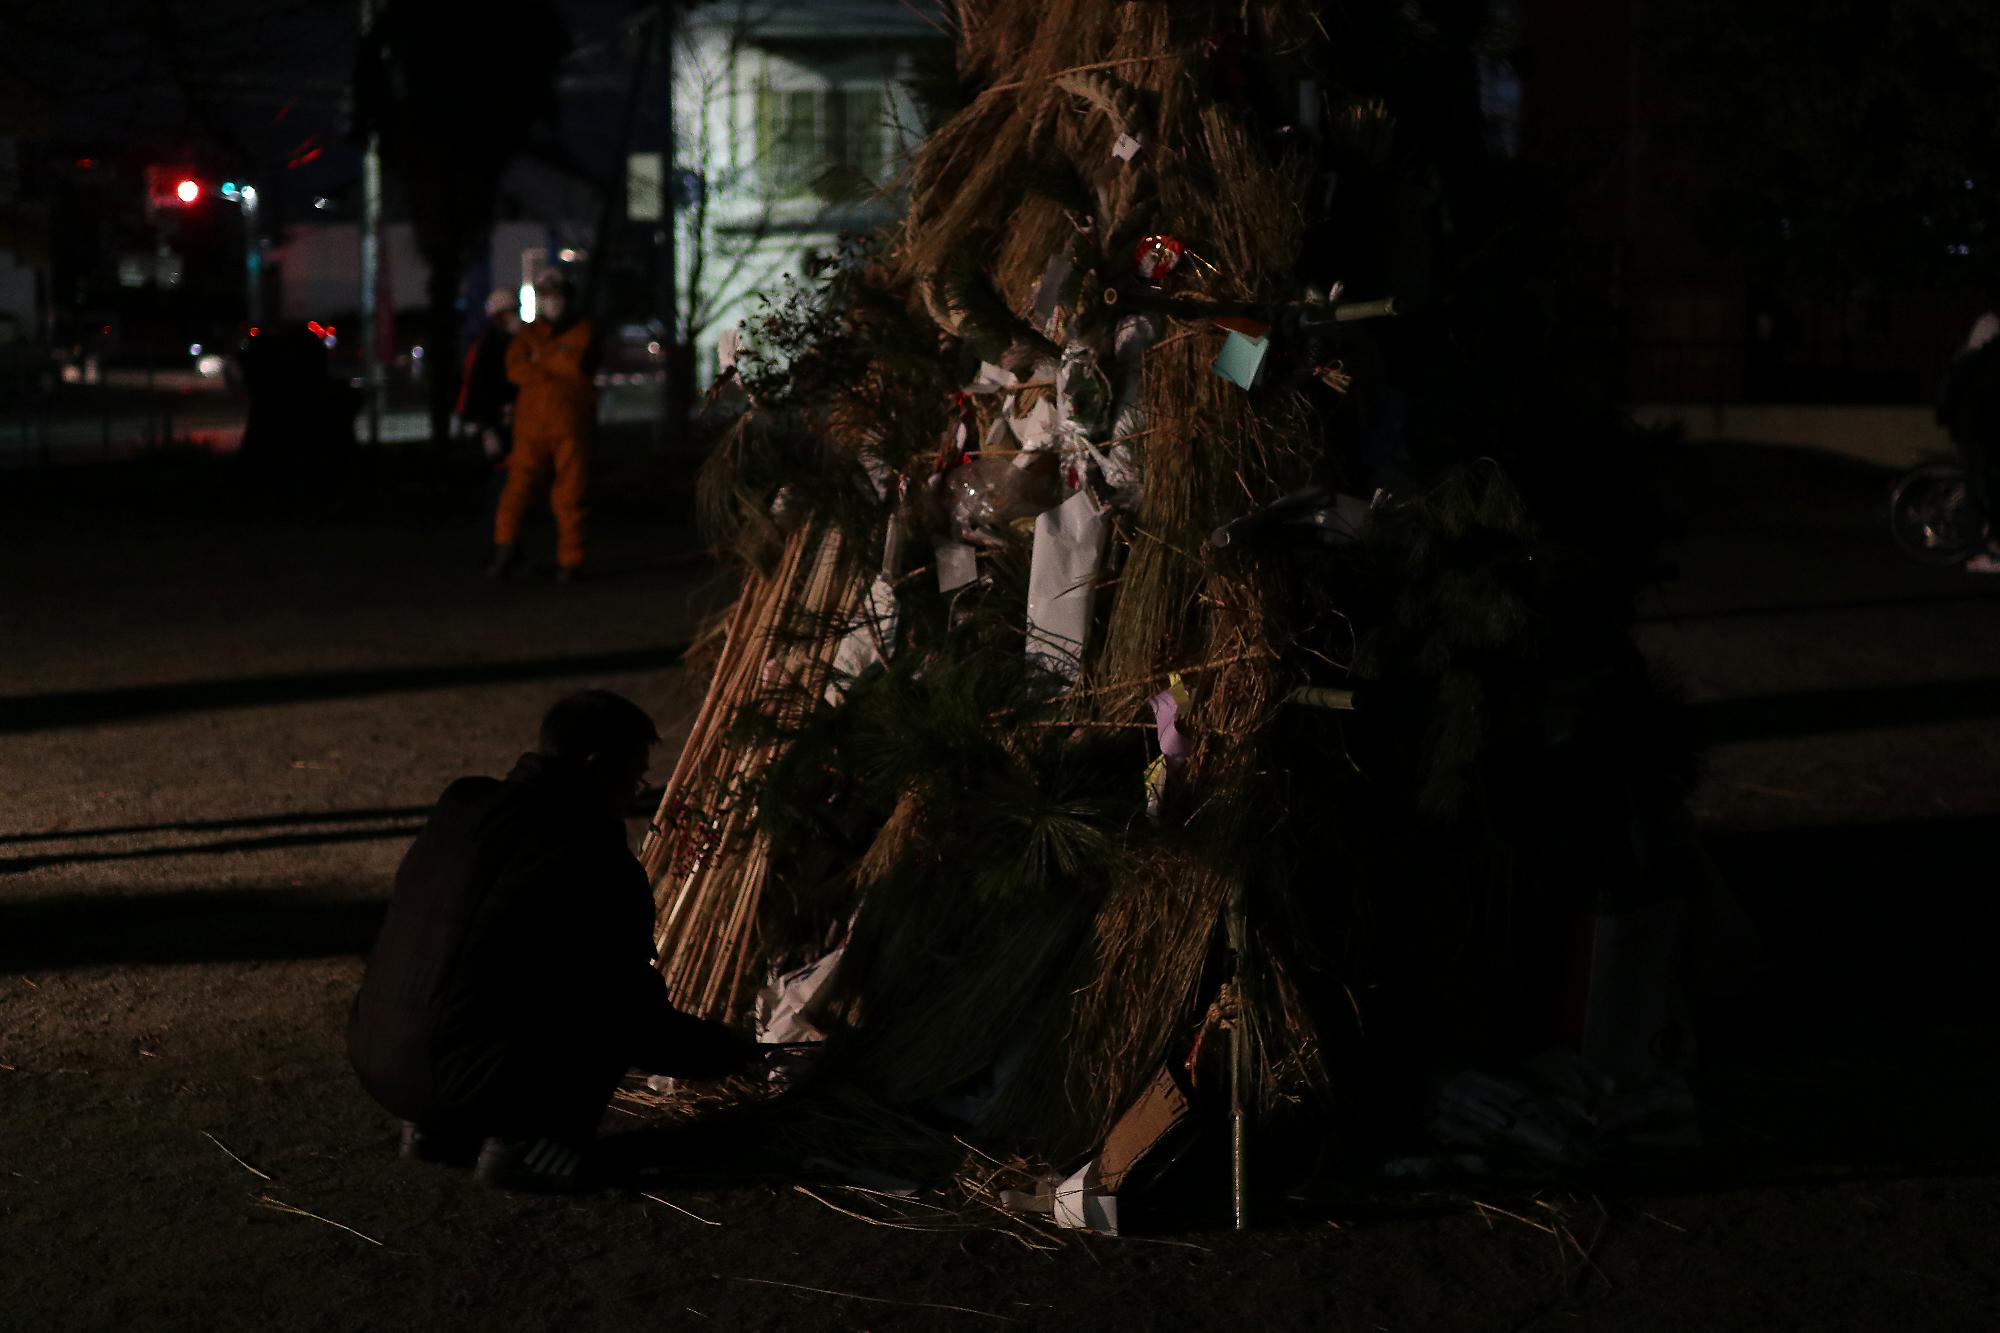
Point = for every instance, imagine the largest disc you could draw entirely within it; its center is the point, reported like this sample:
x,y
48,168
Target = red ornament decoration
x,y
1156,256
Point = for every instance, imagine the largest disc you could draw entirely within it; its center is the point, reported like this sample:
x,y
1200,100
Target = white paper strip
x,y
996,376
956,565
1035,428
782,1005
880,475
892,549
1082,1205
1062,588
867,643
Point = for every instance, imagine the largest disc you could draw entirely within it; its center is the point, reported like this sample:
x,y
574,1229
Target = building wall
x,y
17,291
24,246
320,263
763,217
319,267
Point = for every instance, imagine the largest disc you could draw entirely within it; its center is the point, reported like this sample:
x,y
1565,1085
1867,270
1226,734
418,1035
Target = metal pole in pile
x,y
1239,1064
371,262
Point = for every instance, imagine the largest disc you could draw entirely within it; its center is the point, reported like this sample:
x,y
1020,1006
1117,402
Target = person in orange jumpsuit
x,y
551,363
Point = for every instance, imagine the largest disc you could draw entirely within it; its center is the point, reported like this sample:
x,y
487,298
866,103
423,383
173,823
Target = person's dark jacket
x,y
1969,402
486,392
518,950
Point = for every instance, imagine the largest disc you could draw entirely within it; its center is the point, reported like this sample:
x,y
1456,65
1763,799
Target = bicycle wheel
x,y
1930,513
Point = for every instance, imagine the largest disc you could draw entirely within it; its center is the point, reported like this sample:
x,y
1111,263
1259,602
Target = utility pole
x,y
671,405
253,256
371,263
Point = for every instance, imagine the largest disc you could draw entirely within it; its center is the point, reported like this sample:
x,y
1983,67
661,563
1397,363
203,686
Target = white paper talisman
x,y
1062,582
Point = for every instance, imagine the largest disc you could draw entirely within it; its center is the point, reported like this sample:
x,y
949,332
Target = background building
x,y
790,123
793,121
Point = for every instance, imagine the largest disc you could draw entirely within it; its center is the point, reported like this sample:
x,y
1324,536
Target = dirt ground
x,y
219,727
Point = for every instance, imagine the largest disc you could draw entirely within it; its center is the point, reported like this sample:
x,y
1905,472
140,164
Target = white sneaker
x,y
533,1166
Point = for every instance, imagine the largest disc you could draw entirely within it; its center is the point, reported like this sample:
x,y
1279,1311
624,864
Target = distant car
x,y
217,354
340,331
636,348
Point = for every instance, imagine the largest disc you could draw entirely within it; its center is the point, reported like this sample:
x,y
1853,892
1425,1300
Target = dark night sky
x,y
246,87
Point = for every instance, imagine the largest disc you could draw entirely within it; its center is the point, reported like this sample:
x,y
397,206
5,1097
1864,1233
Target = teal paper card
x,y
1241,358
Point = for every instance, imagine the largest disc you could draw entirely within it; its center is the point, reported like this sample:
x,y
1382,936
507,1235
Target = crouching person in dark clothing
x,y
513,982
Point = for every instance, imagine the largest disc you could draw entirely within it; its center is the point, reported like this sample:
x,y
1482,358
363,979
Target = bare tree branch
x,y
727,262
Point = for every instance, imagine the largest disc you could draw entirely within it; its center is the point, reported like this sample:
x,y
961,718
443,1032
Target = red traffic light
x,y
172,186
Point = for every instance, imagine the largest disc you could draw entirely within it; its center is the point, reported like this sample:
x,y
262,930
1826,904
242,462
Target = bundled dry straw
x,y
1211,451
1099,985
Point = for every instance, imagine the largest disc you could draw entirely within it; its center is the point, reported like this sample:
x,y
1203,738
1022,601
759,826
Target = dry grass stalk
x,y
876,1300
279,1205
233,1157
684,1212
893,1223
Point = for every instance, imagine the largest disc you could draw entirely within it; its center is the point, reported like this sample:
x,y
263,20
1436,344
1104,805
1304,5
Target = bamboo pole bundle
x,y
708,863
686,830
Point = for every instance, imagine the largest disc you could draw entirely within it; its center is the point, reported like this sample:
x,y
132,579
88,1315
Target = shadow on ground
x,y
1819,712
1865,1042
264,924
76,708
11,865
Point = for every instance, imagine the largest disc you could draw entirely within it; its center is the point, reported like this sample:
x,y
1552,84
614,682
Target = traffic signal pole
x,y
371,265
253,257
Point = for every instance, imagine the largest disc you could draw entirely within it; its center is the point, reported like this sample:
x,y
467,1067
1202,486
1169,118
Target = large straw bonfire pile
x,y
1046,694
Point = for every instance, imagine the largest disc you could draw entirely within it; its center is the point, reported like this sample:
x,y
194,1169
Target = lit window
x,y
864,131
830,139
788,136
